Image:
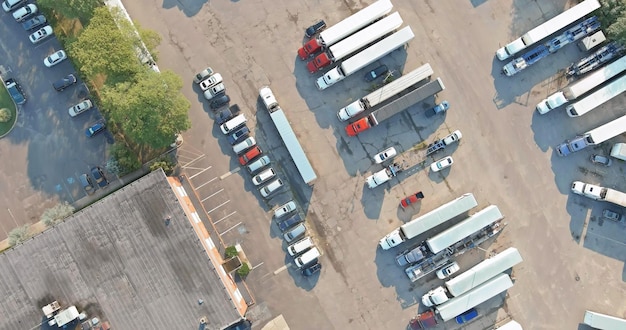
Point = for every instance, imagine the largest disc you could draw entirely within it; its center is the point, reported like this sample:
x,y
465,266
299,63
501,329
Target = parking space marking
x,y
192,161
224,218
231,228
213,194
217,207
204,184
604,237
281,269
204,170
230,173
255,267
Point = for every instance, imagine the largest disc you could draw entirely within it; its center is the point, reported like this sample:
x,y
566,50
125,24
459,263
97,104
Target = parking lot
x,y
573,260
47,151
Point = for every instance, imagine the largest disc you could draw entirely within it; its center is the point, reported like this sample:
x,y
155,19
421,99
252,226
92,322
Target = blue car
x,y
95,129
238,135
15,91
467,316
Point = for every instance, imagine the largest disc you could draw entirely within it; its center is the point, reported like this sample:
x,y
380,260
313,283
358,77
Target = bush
x,y
19,235
230,252
57,213
125,161
5,115
244,270
165,163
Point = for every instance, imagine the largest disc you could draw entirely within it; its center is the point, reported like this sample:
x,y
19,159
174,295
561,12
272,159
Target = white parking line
x,y
213,194
231,228
189,163
224,218
206,169
204,184
257,265
215,208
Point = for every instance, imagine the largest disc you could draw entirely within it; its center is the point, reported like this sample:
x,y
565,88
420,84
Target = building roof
x,y
117,259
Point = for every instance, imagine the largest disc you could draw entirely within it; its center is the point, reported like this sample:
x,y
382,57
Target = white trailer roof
x,y
439,215
511,325
407,80
607,131
600,96
464,228
484,271
355,22
377,50
366,36
562,20
603,322
591,81
456,306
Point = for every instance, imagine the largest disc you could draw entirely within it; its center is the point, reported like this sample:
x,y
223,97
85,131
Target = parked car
x,y
220,101
452,138
313,268
214,91
467,316
95,129
284,209
315,28
439,108
64,82
15,90
599,159
308,258
300,246
238,135
441,164
24,12
385,155
34,22
258,164
55,58
97,173
202,75
9,5
295,233
290,222
212,80
412,199
223,116
87,184
250,155
379,71
80,108
612,215
263,176
244,145
40,34
448,270
271,188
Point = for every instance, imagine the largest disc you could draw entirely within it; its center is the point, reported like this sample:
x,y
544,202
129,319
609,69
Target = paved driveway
x,y
46,152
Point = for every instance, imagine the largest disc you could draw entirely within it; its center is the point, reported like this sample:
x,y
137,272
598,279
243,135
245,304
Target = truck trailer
x,y
599,193
546,29
582,86
346,27
603,321
595,60
593,137
355,42
619,151
428,221
597,98
365,57
384,93
396,106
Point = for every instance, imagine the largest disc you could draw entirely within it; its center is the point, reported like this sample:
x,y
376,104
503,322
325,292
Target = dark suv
x,y
294,220
15,91
64,82
87,184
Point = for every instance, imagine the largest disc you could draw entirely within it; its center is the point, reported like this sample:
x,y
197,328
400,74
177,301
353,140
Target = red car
x,y
411,199
250,155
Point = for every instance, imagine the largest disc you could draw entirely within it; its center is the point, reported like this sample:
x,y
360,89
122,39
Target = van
x,y
234,123
24,12
300,246
263,176
244,145
9,5
295,232
259,164
307,257
271,188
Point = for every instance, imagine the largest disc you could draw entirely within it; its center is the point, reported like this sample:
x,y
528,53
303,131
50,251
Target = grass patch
x,y
7,102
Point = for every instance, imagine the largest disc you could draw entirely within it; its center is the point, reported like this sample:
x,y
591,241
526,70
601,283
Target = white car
x,y
54,58
212,91
441,164
448,270
80,108
385,155
211,81
40,34
285,209
263,176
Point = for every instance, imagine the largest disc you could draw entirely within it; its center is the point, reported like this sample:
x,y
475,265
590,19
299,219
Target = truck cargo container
x,y
582,86
599,193
386,92
546,29
603,322
355,42
619,151
593,137
365,57
597,98
396,106
428,221
346,27
592,41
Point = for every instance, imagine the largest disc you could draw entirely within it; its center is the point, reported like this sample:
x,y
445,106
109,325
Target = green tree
x,y
123,160
19,235
80,9
165,163
57,213
150,109
612,15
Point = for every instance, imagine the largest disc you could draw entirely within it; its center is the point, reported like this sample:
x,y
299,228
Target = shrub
x,y
244,270
230,252
19,235
5,115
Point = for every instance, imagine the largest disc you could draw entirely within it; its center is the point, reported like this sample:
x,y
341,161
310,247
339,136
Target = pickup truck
x,y
439,108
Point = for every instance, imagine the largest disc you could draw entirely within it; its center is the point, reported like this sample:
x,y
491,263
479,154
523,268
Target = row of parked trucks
x,y
593,137
599,193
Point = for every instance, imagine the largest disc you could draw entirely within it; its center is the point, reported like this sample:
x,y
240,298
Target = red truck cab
x,y
358,127
310,48
321,61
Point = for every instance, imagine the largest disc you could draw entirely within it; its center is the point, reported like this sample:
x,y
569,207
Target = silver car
x,y
295,233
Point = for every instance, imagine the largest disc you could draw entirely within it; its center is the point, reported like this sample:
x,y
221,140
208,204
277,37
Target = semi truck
x,y
365,57
346,27
595,60
573,34
382,176
384,93
428,221
355,42
473,277
582,86
599,193
396,106
597,98
593,137
546,29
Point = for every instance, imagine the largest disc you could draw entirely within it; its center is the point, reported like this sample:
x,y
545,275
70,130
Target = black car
x,y
315,28
238,135
15,90
312,268
64,82
223,116
34,22
379,71
294,220
87,184
97,173
220,101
